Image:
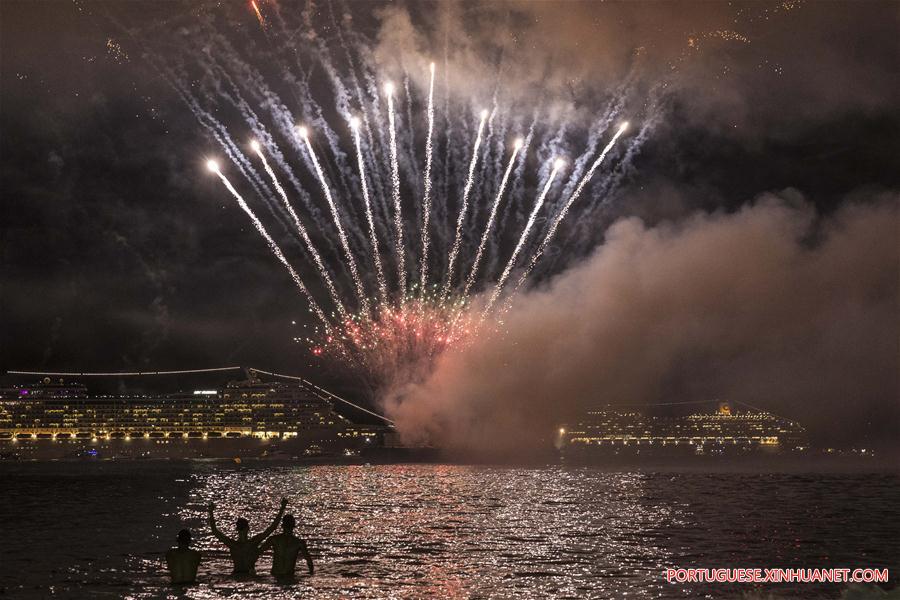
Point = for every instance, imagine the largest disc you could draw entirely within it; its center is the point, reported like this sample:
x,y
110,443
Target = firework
x,y
395,187
565,210
557,165
373,236
454,250
323,270
426,196
487,229
258,13
398,338
313,305
351,260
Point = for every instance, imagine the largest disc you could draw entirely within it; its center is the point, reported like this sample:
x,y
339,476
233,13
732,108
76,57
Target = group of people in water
x,y
244,549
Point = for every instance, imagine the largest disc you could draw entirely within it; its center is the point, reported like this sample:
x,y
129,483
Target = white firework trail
x,y
410,151
393,332
323,270
441,229
366,104
351,261
565,209
490,223
614,108
454,250
486,152
517,189
635,146
379,148
341,99
551,146
557,165
395,184
221,135
426,196
373,237
314,306
363,111
255,85
502,129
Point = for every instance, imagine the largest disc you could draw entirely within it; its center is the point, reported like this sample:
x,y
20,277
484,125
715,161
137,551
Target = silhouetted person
x,y
182,561
285,549
245,549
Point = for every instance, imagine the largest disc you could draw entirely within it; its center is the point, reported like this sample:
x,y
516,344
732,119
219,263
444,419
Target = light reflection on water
x,y
416,531
451,530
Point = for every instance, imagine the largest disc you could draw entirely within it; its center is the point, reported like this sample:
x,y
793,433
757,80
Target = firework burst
x,y
411,245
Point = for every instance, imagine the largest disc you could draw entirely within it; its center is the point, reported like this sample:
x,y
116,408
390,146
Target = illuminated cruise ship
x,y
725,431
297,416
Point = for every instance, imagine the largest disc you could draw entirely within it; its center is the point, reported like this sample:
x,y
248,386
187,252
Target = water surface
x,y
95,530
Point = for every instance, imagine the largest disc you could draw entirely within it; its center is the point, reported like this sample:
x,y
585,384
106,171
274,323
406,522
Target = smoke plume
x,y
773,305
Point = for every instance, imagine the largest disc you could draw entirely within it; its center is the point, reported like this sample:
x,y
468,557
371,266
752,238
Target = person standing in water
x,y
286,547
183,561
245,549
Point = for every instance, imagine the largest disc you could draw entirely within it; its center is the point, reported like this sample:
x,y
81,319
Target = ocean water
x,y
99,530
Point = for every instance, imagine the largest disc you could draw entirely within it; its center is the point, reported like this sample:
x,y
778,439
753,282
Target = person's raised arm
x,y
268,531
215,530
265,547
306,555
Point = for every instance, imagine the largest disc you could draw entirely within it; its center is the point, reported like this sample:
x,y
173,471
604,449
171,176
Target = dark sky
x,y
119,252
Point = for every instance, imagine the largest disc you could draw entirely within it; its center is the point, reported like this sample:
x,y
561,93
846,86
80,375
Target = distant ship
x,y
612,433
249,418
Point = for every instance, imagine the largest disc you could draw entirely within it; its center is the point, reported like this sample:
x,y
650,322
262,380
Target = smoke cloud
x,y
741,68
773,305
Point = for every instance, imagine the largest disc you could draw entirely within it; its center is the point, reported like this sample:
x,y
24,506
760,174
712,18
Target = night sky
x,y
120,252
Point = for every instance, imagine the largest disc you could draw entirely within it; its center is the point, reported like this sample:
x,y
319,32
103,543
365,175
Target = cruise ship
x,y
58,419
724,431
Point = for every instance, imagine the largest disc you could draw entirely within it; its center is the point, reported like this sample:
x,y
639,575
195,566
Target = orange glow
x,y
255,8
